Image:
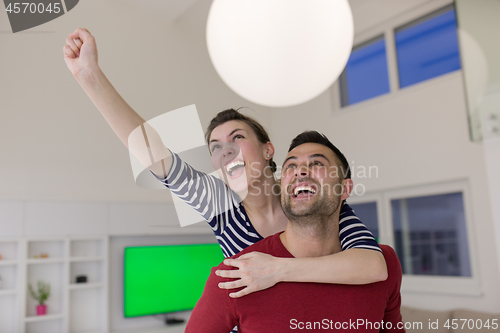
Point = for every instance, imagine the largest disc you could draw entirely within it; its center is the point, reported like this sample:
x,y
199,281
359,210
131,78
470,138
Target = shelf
x,y
8,292
86,313
8,250
93,270
8,262
52,248
43,318
9,273
45,261
73,307
9,314
53,274
78,286
83,259
86,248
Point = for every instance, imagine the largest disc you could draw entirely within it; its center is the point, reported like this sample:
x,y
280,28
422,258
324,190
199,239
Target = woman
x,y
241,149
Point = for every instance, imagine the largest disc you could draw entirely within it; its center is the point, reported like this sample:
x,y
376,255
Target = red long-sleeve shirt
x,y
290,306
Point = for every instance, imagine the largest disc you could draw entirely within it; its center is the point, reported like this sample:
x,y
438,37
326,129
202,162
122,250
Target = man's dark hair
x,y
315,137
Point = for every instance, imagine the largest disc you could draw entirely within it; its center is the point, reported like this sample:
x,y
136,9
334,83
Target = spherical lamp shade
x,y
279,53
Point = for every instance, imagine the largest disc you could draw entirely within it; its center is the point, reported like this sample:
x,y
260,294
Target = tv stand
x,y
179,328
173,321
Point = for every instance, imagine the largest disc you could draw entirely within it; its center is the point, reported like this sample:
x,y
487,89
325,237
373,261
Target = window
x,y
365,75
430,235
428,47
367,213
428,226
423,49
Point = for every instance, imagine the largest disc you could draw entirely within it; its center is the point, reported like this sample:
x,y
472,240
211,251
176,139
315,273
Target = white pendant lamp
x,y
279,53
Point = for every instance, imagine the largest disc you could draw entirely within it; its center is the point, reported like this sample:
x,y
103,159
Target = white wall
x,y
55,145
26,219
492,157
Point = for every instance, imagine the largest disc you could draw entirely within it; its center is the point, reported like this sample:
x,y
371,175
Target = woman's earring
x,y
268,156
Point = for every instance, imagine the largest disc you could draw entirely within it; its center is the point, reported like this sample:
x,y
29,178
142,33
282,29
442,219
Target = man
x,y
315,181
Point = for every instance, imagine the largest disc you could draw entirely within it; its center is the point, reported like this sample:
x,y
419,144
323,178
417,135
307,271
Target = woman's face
x,y
237,154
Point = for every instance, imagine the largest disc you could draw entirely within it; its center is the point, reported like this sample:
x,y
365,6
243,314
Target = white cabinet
x,y
9,288
71,307
74,237
9,267
88,311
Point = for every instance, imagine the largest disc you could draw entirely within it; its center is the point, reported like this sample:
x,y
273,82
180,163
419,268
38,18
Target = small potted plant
x,y
40,296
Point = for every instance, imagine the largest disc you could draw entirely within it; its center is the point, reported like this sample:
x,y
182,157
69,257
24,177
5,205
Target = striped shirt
x,y
221,208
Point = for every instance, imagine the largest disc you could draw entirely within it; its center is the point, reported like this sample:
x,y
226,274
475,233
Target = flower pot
x,y
41,310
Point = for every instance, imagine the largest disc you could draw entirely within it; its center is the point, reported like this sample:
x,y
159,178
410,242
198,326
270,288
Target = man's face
x,y
311,182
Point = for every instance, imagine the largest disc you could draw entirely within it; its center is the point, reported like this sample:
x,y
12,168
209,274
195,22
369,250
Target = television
x,y
164,279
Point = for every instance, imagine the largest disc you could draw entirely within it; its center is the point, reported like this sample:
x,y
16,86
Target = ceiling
x,y
168,10
367,13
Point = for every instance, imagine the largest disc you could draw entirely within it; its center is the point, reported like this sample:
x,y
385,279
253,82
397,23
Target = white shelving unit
x,y
88,301
72,307
9,289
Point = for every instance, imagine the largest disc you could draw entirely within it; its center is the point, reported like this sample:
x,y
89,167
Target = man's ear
x,y
268,150
347,185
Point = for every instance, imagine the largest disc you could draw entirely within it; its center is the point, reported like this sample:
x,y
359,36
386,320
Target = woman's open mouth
x,y
235,168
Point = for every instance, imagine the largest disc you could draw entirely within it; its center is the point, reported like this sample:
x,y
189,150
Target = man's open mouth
x,y
303,190
234,166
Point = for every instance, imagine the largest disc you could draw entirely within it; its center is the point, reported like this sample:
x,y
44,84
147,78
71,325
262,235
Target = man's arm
x,y
214,312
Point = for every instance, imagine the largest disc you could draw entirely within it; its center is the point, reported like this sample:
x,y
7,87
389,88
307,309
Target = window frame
x,y
370,198
343,89
387,30
416,22
453,285
428,284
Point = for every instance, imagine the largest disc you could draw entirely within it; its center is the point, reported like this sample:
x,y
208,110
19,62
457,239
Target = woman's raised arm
x,y
80,55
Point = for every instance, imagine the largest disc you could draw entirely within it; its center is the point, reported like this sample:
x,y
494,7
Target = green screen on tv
x,y
162,279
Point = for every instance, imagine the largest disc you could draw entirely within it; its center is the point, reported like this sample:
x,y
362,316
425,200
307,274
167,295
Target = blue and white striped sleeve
x,y
206,194
353,233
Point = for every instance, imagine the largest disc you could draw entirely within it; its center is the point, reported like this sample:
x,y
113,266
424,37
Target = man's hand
x,y
256,271
80,52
